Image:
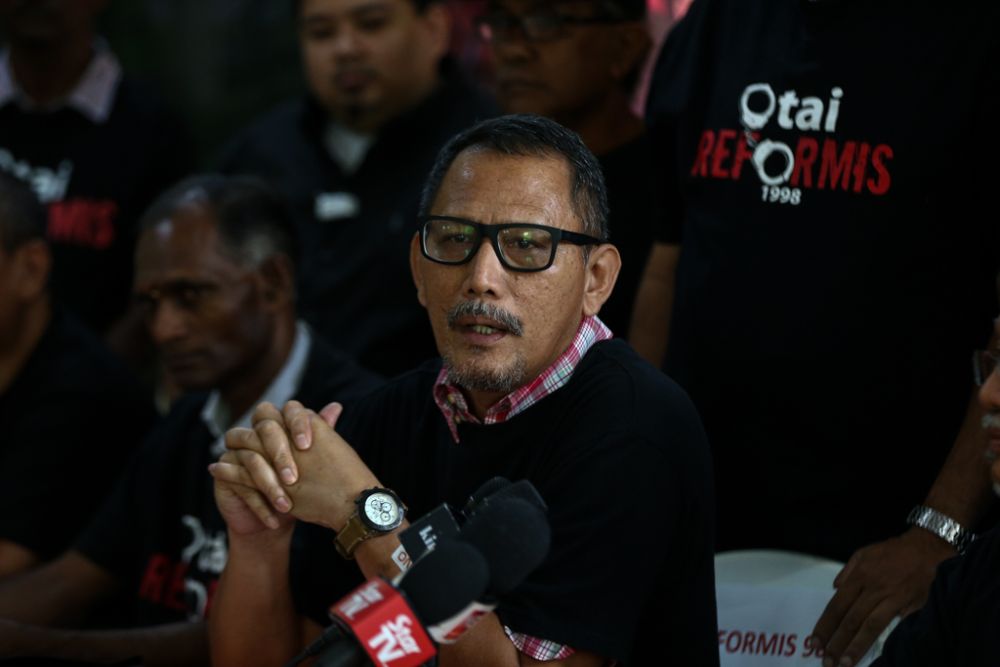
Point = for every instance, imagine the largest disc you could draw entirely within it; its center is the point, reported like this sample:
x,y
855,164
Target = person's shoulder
x,y
73,358
638,400
613,367
413,385
281,120
407,393
141,106
332,374
170,435
457,105
281,130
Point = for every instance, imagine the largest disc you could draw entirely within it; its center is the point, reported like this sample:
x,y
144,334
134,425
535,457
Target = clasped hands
x,y
289,464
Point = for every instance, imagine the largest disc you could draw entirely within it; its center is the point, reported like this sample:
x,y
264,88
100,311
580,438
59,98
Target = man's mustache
x,y
504,318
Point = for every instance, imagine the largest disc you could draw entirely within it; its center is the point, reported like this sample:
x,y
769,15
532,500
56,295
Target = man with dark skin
x,y
957,625
214,280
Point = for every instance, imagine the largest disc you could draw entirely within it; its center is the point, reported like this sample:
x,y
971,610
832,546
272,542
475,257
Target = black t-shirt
x,y
631,182
355,228
96,180
54,470
160,532
823,322
620,458
958,624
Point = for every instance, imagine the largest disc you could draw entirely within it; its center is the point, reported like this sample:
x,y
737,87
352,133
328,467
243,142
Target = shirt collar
x,y
93,95
451,401
215,414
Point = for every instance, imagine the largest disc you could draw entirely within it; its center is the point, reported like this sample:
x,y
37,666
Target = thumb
x,y
331,413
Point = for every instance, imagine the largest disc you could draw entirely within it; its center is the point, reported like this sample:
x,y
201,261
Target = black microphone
x,y
442,521
513,536
498,489
421,536
385,624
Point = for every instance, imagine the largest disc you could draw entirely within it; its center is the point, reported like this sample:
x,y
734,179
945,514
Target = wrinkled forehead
x,y
185,239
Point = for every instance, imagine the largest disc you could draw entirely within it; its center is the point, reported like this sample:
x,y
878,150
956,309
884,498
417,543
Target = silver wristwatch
x,y
941,525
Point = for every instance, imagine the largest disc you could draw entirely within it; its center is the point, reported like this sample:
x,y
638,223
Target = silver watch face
x,y
382,510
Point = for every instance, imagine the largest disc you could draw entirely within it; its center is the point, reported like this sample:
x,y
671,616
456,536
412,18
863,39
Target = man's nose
x,y
346,42
512,46
168,322
486,275
989,393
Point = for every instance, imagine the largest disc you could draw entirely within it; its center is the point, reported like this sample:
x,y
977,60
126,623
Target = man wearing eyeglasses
x,y
957,625
577,62
512,264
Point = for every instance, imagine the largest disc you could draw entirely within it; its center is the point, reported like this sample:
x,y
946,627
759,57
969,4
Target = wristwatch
x,y
941,525
379,511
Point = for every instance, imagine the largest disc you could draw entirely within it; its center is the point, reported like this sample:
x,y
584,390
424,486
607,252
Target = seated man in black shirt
x,y
577,62
351,155
512,266
54,374
214,277
958,624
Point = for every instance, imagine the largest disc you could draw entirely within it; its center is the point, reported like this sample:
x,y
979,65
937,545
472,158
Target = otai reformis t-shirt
x,y
829,166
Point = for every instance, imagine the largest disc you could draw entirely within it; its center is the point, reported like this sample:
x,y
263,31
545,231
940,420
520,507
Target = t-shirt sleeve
x,y
110,538
51,477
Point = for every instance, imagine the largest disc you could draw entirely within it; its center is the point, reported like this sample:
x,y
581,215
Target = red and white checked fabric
x,y
539,649
455,409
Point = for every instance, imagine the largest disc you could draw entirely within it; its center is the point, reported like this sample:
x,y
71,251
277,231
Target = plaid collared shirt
x,y
455,409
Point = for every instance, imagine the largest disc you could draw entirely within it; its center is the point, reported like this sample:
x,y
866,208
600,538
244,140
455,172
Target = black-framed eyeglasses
x,y
984,364
520,246
539,26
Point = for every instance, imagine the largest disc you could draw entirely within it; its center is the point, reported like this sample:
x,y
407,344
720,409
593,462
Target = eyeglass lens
x,y
518,247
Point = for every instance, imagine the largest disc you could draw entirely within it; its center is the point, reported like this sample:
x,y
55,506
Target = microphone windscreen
x,y
487,489
522,489
445,581
513,536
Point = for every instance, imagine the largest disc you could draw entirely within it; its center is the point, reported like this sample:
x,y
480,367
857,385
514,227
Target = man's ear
x,y
416,269
632,46
277,280
437,25
32,263
602,272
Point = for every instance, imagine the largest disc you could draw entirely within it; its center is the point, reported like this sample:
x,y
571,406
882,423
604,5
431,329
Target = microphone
x,y
442,522
513,536
498,489
383,624
421,536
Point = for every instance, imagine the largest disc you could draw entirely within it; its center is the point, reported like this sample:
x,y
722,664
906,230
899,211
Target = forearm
x,y
171,645
962,488
15,558
650,325
253,619
60,592
484,645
